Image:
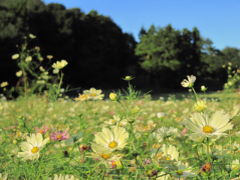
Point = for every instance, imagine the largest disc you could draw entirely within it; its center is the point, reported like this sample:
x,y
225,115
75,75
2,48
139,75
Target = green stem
x,y
59,85
195,93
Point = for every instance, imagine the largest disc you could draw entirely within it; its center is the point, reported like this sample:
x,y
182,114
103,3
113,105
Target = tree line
x,y
100,53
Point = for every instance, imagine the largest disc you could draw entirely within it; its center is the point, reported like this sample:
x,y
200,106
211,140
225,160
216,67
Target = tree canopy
x,y
100,53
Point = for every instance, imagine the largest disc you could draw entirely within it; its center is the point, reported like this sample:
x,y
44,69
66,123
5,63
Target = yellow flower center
x,y
59,136
208,129
105,156
41,131
113,144
35,150
94,94
168,158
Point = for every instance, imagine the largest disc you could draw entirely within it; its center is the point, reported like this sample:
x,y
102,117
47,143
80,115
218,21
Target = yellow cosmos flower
x,y
202,125
49,57
32,36
170,152
19,73
105,155
235,164
15,56
32,146
4,84
94,94
200,106
28,59
113,96
59,64
189,82
166,153
112,139
82,97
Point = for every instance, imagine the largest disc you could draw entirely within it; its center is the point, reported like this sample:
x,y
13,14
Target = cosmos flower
x,y
145,127
165,153
82,97
42,130
4,84
200,106
19,73
170,152
105,155
113,96
59,135
189,82
32,146
94,94
59,65
32,36
235,165
116,120
49,57
203,125
112,139
28,59
15,56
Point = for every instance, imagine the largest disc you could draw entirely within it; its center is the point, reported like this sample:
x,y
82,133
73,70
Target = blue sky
x,y
218,20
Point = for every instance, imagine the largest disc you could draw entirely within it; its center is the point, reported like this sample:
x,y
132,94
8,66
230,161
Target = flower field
x,y
196,137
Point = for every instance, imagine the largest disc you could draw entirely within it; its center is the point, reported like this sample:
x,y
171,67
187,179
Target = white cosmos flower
x,y
94,94
103,154
112,139
189,82
59,64
170,152
32,146
165,153
202,125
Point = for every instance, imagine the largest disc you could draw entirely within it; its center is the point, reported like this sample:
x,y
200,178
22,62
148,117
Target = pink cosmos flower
x,y
59,135
42,130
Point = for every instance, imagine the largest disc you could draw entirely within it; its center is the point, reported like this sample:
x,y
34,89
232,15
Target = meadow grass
x,y
149,152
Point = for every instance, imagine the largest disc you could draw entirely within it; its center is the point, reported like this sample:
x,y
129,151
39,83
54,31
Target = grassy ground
x,y
148,153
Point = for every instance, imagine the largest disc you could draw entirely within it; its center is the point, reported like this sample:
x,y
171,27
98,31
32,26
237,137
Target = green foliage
x,y
36,74
233,72
95,45
167,48
131,93
158,48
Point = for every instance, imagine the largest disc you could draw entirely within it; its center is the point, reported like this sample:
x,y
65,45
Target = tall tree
x,y
167,51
